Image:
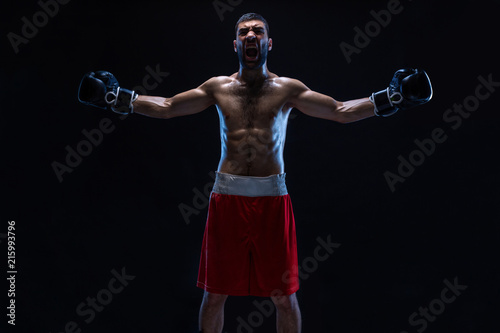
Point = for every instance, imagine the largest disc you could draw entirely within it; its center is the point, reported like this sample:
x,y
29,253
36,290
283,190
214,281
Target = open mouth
x,y
251,52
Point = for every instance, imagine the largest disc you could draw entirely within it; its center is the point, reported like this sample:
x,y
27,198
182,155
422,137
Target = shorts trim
x,y
249,186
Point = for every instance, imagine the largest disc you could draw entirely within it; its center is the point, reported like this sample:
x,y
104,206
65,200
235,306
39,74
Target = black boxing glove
x,y
408,88
101,89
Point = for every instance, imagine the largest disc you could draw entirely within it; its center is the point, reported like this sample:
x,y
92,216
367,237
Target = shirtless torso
x,y
253,121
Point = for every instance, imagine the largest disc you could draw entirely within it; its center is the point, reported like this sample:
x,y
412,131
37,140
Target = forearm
x,y
354,110
155,107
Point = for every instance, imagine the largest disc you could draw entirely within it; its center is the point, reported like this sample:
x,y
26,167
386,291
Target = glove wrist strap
x,y
121,101
383,103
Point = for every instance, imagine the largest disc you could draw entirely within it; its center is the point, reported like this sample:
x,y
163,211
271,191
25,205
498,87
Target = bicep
x,y
191,101
313,103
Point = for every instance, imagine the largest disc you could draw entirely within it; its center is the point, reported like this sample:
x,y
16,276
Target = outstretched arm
x,y
408,88
325,107
185,103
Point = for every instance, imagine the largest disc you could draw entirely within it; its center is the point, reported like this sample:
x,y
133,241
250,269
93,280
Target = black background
x,y
119,207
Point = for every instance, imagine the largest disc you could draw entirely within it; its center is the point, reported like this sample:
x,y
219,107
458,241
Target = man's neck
x,y
252,76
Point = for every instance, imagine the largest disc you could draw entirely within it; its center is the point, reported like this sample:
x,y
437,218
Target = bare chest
x,y
243,107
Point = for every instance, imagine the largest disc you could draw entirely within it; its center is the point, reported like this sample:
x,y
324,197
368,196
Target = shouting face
x,y
252,44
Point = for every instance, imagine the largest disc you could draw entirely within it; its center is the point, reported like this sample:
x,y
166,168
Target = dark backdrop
x,y
118,208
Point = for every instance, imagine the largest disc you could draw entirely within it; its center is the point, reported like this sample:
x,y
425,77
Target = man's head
x,y
252,41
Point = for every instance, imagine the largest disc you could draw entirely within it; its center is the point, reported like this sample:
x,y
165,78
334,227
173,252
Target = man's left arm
x,y
317,105
407,89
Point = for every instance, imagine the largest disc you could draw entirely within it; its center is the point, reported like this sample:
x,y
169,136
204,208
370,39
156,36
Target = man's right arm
x,y
182,104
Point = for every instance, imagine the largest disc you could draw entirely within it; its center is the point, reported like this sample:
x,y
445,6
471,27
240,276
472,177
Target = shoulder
x,y
218,80
215,83
293,86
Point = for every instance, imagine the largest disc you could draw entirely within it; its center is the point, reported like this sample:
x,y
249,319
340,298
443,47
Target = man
x,y
249,246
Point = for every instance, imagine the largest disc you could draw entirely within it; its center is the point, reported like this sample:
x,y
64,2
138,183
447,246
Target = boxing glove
x,y
408,88
101,89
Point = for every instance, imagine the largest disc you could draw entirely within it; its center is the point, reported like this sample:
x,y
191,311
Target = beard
x,y
254,64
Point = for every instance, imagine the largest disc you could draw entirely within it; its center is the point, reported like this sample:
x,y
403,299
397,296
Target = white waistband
x,y
249,186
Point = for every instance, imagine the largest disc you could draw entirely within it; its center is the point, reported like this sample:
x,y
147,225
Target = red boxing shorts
x,y
249,246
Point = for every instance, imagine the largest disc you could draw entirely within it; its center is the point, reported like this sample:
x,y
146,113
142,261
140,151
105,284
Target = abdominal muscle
x,y
252,152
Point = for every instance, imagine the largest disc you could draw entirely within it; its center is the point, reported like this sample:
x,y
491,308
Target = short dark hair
x,y
249,17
